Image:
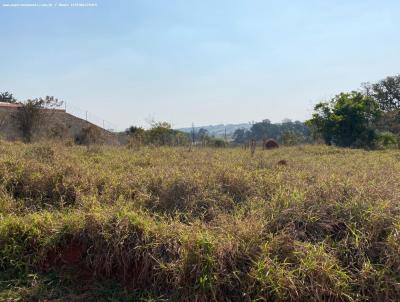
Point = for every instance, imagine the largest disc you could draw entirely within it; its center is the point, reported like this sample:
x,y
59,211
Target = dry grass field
x,y
309,223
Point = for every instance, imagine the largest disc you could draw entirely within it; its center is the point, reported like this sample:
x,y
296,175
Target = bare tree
x,y
31,114
7,97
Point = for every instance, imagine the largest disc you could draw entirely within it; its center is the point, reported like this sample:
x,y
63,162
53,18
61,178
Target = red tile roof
x,y
9,105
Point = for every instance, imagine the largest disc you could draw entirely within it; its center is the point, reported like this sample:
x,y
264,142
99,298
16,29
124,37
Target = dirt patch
x,y
282,162
73,253
270,144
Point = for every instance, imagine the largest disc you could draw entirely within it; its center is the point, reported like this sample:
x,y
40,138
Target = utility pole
x,y
193,134
86,115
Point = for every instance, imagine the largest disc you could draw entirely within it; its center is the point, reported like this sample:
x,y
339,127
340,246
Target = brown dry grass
x,y
211,224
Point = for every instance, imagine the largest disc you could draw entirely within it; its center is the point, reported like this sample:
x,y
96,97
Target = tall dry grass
x,y
109,223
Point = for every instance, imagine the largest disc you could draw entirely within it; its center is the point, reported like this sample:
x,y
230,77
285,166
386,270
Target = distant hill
x,y
219,130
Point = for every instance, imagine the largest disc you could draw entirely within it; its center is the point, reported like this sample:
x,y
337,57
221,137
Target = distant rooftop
x,y
9,105
13,105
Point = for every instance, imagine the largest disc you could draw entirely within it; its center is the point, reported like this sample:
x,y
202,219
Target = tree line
x,y
287,132
162,134
367,118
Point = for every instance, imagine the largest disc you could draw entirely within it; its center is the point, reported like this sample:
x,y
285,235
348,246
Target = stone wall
x,y
56,123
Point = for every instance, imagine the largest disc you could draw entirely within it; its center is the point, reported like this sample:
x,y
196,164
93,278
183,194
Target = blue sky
x,y
206,62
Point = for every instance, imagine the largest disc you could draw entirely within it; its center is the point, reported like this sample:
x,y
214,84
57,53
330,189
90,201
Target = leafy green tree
x,y
389,122
161,134
386,92
348,120
218,143
182,139
240,136
136,136
132,130
279,132
296,132
202,134
322,123
292,138
137,133
264,129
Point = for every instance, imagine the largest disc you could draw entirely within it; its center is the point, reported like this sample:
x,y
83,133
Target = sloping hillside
x,y
53,123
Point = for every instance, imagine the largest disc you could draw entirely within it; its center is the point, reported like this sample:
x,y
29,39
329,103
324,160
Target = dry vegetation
x,y
307,223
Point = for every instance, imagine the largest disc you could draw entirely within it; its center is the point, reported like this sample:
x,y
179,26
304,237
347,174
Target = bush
x,y
387,140
218,143
89,135
348,120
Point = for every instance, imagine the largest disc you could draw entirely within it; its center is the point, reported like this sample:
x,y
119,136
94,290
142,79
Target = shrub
x,y
32,113
387,140
89,135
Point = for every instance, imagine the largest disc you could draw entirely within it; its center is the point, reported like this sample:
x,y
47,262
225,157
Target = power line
x,y
90,117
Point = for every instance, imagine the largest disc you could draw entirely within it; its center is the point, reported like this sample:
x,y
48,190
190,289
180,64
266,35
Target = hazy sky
x,y
201,61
